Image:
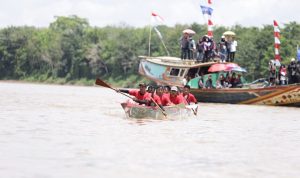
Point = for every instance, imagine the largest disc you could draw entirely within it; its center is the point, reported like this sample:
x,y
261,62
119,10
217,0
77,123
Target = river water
x,y
51,131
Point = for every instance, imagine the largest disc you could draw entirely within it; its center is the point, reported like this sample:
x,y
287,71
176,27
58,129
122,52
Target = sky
x,y
40,13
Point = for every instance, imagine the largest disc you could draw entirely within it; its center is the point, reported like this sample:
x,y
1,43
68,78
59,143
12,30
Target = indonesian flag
x,y
157,18
209,2
276,40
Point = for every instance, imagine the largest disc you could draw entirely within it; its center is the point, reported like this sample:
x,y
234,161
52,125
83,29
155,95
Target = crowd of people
x,y
230,81
206,49
160,95
279,74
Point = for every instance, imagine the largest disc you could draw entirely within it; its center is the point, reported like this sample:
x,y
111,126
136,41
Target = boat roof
x,y
175,61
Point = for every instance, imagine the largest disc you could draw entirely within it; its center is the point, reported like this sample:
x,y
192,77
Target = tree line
x,y
71,50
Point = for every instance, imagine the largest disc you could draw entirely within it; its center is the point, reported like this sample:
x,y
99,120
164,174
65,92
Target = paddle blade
x,y
102,83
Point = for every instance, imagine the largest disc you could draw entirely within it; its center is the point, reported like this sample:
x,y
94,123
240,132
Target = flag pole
x,y
165,47
150,31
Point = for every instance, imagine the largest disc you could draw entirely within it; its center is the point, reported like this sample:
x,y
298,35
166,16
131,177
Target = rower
x,y
141,95
189,97
154,96
175,97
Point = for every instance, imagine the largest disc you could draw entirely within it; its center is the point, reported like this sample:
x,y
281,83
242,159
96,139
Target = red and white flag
x,y
276,41
210,28
156,18
209,1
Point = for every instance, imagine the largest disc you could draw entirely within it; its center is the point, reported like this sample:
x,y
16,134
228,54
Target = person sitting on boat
x,y
154,98
167,89
174,98
164,97
222,81
200,82
141,95
238,82
189,97
234,81
209,83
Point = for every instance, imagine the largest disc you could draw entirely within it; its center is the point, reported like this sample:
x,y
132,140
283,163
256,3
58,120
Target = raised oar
x,y
103,84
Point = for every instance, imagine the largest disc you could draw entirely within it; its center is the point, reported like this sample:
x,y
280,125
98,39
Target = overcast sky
x,y
40,13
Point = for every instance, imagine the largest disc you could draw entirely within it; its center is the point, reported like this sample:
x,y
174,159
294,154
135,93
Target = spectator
x,y
222,49
192,48
184,45
233,46
282,74
209,83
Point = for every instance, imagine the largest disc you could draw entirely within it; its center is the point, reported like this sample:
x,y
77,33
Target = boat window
x,y
174,72
182,72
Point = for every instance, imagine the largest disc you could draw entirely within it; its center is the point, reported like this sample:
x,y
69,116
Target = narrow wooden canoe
x,y
180,111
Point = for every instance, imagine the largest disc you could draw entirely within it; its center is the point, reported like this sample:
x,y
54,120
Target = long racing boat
x,y
133,110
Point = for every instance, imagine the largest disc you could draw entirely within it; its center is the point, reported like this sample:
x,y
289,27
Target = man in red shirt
x,y
154,96
175,97
190,98
141,95
164,97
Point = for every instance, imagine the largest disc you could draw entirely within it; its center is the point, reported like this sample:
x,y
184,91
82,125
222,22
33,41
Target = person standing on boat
x,y
233,46
200,49
184,45
282,75
141,95
206,48
189,97
222,49
192,48
292,72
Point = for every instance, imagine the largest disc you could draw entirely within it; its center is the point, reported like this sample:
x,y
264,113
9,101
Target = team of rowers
x,y
161,95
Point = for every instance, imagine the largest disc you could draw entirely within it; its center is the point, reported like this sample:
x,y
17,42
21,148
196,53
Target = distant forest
x,y
71,51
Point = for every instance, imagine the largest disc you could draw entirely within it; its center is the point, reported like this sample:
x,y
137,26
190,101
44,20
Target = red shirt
x,y
190,98
138,95
155,97
177,99
165,99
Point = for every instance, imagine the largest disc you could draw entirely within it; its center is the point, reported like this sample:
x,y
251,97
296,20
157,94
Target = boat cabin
x,y
175,72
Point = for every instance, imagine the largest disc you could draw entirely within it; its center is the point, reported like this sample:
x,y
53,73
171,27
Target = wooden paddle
x,y
103,84
195,113
160,107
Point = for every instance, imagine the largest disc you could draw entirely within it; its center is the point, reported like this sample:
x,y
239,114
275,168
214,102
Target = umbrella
x,y
217,67
231,65
222,67
237,69
229,33
189,31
